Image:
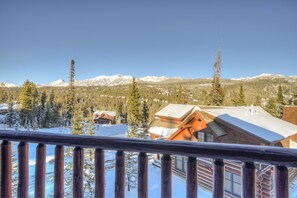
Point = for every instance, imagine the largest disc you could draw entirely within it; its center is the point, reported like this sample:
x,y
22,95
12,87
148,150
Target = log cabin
x,y
238,125
104,117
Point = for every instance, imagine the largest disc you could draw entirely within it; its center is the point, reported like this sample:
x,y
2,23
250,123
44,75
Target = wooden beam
x,y
192,183
248,180
218,178
40,171
237,152
142,175
166,177
23,170
59,172
78,176
281,181
6,169
99,173
119,190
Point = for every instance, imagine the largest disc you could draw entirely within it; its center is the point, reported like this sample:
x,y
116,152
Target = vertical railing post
x,y
218,178
59,172
6,169
78,165
248,180
192,177
119,190
166,174
281,181
142,175
23,170
40,171
99,174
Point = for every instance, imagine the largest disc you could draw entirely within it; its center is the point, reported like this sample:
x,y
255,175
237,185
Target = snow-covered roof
x,y
254,120
176,111
110,113
162,131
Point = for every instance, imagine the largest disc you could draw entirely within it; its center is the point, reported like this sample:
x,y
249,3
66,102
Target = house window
x,y
233,183
181,163
204,137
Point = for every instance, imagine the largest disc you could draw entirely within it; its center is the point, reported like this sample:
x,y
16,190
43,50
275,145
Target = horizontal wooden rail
x,y
237,152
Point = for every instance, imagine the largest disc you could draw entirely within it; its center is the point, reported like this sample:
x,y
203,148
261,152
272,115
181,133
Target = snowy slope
x,y
265,76
126,79
8,85
57,83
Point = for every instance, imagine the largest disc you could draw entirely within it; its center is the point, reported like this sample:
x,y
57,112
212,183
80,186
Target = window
x,y
233,183
181,163
204,137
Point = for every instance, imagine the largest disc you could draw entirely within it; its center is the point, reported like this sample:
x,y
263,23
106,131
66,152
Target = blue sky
x,y
164,38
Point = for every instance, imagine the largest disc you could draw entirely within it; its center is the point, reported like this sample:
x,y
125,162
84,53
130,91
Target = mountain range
x,y
126,79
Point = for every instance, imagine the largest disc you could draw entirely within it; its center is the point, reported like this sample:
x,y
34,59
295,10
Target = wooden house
x,y
290,114
104,117
238,125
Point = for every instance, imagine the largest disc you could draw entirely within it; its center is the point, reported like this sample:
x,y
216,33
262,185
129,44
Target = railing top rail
x,y
237,152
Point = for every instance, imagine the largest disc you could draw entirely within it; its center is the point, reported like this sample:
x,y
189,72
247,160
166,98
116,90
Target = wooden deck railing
x,y
281,158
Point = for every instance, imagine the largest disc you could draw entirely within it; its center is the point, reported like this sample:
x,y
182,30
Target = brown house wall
x,y
290,114
286,142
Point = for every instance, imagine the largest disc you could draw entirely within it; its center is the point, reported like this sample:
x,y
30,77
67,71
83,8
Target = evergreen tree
x,y
271,107
133,104
3,94
70,98
180,99
145,114
216,95
12,118
241,96
119,109
258,101
77,121
280,97
28,100
280,102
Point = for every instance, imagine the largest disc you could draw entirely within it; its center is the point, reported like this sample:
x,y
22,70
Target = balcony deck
x,y
281,158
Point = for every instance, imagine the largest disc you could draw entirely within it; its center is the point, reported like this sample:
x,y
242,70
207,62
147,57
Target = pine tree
x,y
180,99
77,120
216,95
133,104
28,100
271,107
258,101
119,109
280,97
280,102
145,114
70,94
3,94
12,117
241,96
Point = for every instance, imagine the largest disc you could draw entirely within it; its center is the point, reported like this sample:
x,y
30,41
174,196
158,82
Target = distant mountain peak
x,y
262,76
57,83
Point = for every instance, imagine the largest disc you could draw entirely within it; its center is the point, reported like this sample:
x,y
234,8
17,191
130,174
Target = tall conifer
x,y
70,94
216,95
133,105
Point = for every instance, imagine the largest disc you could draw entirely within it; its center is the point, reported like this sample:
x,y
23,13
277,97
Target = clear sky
x,y
156,37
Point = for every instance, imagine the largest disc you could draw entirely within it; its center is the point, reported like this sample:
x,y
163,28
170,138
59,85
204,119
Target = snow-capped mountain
x,y
8,85
153,78
105,81
57,83
265,76
126,79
